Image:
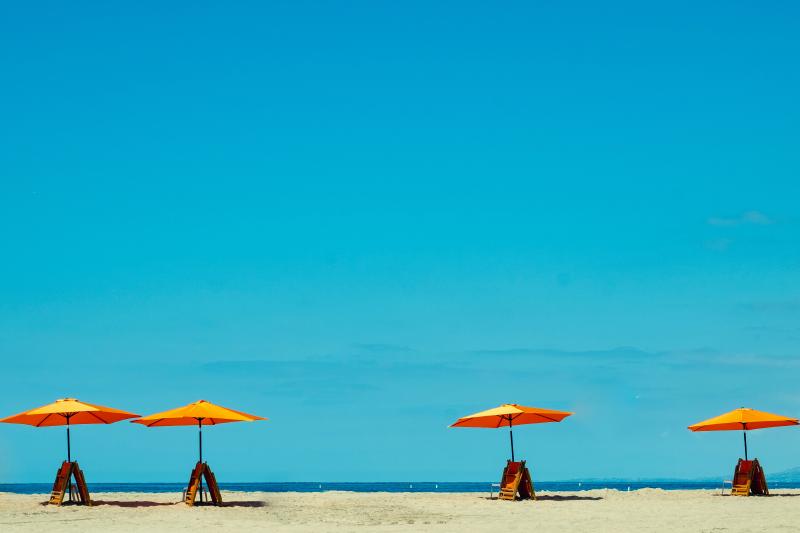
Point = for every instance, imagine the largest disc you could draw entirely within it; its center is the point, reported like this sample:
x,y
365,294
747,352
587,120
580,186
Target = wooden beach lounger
x,y
516,480
62,484
748,478
200,471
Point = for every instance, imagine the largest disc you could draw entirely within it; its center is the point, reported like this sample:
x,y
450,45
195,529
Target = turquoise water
x,y
400,486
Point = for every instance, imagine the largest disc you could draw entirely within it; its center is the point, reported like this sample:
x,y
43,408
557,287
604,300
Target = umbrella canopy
x,y
744,419
510,414
201,413
68,412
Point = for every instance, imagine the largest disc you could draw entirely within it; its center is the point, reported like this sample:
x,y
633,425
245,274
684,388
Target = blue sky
x,y
364,219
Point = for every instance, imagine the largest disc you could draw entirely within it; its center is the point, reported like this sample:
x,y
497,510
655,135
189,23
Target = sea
x,y
391,486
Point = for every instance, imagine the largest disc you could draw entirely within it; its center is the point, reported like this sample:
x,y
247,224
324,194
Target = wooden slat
x,y
80,481
758,486
509,483
61,483
194,484
525,487
516,480
213,488
742,478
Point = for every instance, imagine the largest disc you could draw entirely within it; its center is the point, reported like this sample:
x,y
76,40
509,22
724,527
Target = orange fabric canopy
x,y
68,411
200,412
510,414
743,419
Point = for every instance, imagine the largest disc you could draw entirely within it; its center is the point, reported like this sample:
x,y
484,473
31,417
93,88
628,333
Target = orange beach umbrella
x,y
67,412
744,419
510,414
200,413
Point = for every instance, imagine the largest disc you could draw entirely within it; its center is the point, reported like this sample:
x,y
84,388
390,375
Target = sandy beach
x,y
597,510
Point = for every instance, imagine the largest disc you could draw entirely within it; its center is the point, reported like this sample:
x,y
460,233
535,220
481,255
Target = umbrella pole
x,y
744,432
69,450
511,435
200,436
69,456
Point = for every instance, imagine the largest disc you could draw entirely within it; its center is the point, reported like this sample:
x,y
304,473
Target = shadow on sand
x,y
47,503
132,503
556,498
167,504
255,503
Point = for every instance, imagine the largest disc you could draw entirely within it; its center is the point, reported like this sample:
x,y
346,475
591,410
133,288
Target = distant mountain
x,y
660,480
792,475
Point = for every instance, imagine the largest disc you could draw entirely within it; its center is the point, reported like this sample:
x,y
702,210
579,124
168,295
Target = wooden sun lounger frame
x,y
63,486
752,482
202,470
520,484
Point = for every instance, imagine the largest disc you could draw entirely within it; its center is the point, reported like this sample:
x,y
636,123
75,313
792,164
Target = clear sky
x,y
365,219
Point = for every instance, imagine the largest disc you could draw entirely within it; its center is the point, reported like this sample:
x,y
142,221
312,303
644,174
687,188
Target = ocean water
x,y
392,486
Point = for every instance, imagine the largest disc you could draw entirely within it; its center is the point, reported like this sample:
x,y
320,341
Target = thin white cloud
x,y
756,218
719,245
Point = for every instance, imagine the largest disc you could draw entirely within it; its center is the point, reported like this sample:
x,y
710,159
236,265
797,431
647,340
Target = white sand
x,y
596,510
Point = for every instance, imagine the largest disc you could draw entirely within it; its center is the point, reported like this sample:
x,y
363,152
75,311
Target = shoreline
x,y
600,510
